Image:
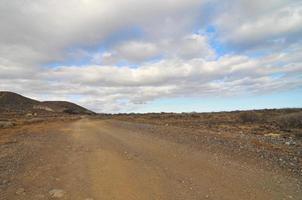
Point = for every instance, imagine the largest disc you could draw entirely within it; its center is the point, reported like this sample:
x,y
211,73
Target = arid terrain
x,y
107,158
151,100
226,155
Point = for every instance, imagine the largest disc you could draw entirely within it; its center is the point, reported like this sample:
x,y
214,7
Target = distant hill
x,y
12,102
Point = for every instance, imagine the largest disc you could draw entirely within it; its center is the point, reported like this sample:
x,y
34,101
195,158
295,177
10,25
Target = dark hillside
x,y
14,103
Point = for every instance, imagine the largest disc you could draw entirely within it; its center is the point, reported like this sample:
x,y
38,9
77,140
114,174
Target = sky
x,y
153,55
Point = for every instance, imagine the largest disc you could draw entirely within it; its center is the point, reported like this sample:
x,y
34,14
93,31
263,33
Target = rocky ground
x,y
122,159
274,135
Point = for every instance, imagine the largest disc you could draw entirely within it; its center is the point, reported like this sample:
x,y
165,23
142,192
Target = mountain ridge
x,y
13,102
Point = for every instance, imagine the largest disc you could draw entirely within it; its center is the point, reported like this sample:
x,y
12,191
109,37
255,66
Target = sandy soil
x,y
109,159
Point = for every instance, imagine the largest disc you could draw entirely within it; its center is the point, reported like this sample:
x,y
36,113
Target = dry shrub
x,y
193,115
288,121
250,117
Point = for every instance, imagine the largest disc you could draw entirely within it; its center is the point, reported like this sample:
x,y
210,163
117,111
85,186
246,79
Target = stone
x,y
5,124
57,193
20,191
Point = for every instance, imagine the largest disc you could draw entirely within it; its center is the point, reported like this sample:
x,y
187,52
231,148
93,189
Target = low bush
x,y
250,117
288,121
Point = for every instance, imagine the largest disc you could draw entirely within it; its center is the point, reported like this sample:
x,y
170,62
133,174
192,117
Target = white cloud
x,y
131,51
117,88
260,24
137,51
36,33
171,72
194,46
186,47
49,27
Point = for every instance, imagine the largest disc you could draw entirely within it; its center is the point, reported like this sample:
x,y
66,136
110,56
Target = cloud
x,y
137,51
49,27
249,25
132,51
173,72
79,50
114,89
186,47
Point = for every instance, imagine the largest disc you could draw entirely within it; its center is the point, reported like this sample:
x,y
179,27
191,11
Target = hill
x,y
15,103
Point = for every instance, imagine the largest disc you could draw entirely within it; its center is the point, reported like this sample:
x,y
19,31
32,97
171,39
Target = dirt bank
x,y
110,159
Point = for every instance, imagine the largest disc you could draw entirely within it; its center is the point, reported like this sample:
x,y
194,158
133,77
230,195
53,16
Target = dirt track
x,y
107,159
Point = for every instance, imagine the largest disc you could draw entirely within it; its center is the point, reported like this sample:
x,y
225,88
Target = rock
x,y
20,191
29,115
290,143
5,124
273,135
56,193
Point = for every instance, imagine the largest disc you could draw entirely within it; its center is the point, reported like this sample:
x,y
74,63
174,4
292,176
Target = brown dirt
x,y
111,159
273,135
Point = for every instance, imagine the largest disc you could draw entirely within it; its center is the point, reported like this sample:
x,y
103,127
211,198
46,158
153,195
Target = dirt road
x,y
107,159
